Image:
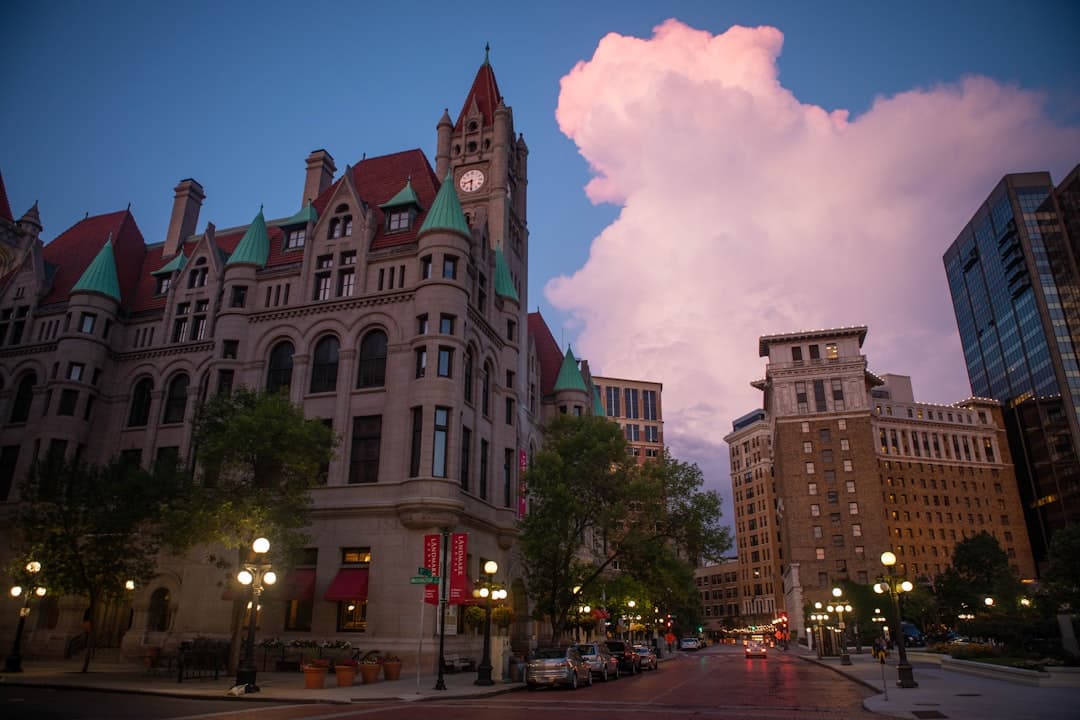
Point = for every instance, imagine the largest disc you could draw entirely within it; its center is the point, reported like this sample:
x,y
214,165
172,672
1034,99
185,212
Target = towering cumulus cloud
x,y
747,212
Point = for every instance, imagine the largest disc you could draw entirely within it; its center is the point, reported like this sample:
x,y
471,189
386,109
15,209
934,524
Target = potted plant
x,y
315,674
346,672
391,665
474,617
370,669
502,617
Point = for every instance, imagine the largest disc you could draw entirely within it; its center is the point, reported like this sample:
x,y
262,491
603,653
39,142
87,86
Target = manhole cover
x,y
928,714
968,694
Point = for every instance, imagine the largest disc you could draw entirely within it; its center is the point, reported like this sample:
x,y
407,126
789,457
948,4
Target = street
x,y
714,684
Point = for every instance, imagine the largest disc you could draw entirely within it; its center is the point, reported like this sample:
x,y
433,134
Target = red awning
x,y
297,585
348,584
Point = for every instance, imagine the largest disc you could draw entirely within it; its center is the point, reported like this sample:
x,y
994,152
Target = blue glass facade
x,y
1016,295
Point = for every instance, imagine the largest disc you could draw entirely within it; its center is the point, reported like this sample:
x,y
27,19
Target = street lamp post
x,y
894,585
841,607
819,620
255,574
488,591
13,664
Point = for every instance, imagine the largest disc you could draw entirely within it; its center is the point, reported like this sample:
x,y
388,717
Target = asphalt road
x,y
713,684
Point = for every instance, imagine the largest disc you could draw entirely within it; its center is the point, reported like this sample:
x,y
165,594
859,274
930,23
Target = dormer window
x,y
294,240
163,284
197,278
398,220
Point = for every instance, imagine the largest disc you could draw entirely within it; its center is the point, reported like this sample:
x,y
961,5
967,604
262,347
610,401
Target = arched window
x,y
346,223
373,360
324,365
158,614
176,399
139,414
279,376
24,395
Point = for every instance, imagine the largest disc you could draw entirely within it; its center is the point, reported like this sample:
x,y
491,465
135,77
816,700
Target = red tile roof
x,y
547,351
486,93
75,248
5,208
377,180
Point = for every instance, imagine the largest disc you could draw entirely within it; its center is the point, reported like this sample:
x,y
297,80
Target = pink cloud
x,y
747,212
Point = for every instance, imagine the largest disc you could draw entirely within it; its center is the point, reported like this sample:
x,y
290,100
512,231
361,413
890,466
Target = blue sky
x,y
108,103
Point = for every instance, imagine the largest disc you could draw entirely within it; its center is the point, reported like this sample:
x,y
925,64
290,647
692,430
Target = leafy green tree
x,y
980,569
94,528
585,489
259,458
1061,581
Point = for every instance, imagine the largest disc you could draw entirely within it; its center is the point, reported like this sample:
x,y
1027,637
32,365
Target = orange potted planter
x,y
346,672
315,674
369,672
391,665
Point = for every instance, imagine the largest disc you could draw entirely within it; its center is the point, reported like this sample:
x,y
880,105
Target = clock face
x,y
471,180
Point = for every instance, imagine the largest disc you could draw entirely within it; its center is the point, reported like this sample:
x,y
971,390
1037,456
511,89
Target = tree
x,y
94,528
259,458
980,569
1061,581
591,504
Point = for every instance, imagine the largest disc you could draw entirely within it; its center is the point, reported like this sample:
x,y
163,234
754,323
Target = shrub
x,y
969,651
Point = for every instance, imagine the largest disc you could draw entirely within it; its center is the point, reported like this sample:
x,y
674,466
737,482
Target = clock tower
x,y
488,166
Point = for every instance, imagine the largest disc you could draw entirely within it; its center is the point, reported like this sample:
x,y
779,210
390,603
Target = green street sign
x,y
424,580
424,571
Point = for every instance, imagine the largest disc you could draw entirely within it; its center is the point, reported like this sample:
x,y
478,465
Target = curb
x,y
838,671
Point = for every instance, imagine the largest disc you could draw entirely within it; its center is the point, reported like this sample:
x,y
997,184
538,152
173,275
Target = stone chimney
x,y
185,215
320,173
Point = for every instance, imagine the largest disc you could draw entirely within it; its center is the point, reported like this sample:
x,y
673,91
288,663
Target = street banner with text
x,y
432,554
459,581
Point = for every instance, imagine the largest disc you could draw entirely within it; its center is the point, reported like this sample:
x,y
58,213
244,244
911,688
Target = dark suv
x,y
629,661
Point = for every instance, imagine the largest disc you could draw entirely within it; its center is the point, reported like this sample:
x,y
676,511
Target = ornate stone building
x,y
389,303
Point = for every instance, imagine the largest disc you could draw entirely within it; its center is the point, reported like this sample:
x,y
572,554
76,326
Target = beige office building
x,y
860,467
636,405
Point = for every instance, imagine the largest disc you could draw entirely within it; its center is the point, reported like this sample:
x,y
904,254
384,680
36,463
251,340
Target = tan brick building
x,y
718,585
860,467
636,405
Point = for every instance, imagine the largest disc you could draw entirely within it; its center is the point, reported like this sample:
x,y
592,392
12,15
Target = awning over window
x,y
348,584
298,585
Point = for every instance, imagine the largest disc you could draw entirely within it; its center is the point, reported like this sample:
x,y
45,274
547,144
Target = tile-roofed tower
x,y
254,247
483,96
504,283
5,207
445,212
100,275
569,375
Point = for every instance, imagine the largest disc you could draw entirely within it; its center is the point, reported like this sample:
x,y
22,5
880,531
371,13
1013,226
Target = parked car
x,y
755,649
648,657
601,662
557,666
624,653
913,637
689,643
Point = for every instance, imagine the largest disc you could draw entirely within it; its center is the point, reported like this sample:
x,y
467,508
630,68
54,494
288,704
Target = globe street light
x,y
841,607
819,619
13,663
894,585
487,590
255,574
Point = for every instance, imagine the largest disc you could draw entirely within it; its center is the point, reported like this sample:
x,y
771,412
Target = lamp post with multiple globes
x,y
13,664
894,585
488,590
255,574
819,619
840,607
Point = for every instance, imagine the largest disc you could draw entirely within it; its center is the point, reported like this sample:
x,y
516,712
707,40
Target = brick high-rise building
x,y
1015,286
861,468
636,406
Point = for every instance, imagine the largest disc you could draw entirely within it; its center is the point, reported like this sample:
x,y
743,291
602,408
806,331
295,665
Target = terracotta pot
x,y
392,670
346,675
314,678
369,673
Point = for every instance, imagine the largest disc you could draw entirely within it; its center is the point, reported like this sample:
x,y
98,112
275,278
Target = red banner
x,y
523,465
432,557
459,581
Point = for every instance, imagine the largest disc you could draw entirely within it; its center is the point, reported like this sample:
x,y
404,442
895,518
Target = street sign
x,y
424,580
423,571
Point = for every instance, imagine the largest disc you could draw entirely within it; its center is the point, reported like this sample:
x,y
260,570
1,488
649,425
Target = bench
x,y
455,663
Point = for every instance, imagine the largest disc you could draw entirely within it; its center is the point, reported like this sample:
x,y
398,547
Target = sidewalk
x,y
273,686
948,694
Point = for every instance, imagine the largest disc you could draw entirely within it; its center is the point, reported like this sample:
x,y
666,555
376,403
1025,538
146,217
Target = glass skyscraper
x,y
1015,288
